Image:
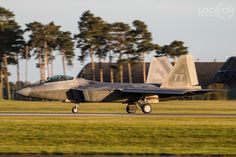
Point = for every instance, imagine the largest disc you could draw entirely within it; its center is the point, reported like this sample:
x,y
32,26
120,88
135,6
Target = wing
x,y
166,92
151,91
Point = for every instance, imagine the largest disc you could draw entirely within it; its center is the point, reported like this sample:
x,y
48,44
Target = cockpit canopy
x,y
57,78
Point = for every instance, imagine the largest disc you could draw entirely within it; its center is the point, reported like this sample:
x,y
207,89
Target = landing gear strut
x,y
75,109
131,108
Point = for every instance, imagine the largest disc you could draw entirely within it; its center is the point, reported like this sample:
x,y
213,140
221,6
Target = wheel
x,y
75,109
147,108
131,109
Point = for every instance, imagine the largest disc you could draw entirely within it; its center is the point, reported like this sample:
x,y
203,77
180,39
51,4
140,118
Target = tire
x,y
131,109
75,110
147,108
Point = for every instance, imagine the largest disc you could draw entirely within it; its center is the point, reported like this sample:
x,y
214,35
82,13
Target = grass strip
x,y
118,135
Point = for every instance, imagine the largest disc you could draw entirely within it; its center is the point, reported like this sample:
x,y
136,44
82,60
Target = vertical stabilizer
x,y
183,75
158,70
227,73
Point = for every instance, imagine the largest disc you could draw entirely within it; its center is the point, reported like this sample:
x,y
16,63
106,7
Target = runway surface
x,y
114,115
123,155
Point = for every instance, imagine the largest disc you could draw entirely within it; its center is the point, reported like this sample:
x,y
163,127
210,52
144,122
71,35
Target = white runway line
x,y
114,115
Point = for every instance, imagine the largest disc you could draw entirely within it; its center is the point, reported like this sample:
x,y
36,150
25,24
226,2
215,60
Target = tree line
x,y
117,42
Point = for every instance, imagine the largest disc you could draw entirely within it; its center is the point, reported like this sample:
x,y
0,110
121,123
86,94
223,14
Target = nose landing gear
x,y
75,109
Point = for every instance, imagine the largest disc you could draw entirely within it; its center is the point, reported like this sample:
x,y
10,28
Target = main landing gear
x,y
145,106
131,108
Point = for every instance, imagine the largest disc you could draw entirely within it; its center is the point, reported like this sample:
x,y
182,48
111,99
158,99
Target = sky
x,y
207,27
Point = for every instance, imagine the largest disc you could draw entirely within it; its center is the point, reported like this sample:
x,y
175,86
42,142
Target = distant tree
x,y
108,46
26,55
120,44
88,38
132,55
11,44
103,45
143,42
43,40
51,33
35,45
175,49
111,67
163,51
66,48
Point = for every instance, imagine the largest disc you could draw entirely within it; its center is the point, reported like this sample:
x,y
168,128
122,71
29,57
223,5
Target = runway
x,y
97,155
114,115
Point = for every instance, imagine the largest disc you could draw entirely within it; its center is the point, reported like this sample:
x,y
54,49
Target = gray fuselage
x,y
90,91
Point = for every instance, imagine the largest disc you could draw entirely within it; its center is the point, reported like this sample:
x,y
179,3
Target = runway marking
x,y
115,115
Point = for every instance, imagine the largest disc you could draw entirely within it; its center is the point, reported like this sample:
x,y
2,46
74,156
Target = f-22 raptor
x,y
163,81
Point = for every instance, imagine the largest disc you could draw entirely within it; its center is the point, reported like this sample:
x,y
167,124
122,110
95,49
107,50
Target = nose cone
x,y
24,91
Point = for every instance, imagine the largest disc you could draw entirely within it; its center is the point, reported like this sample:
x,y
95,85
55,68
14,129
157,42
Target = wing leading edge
x,y
169,92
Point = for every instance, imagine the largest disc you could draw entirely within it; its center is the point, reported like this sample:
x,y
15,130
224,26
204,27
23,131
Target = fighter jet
x,y
163,81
